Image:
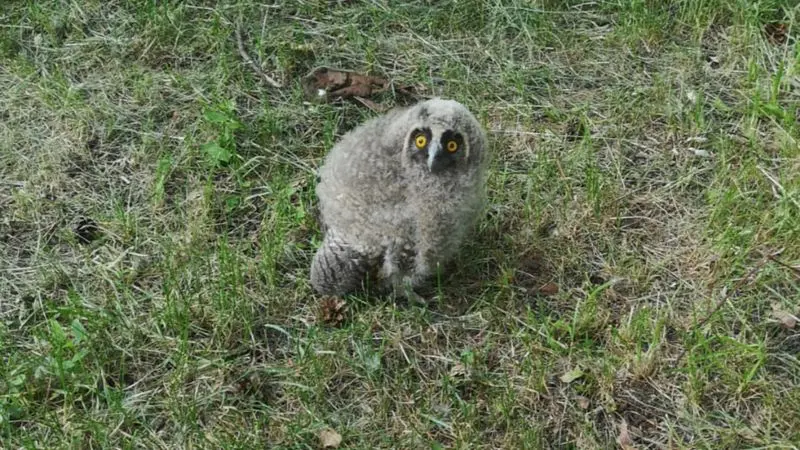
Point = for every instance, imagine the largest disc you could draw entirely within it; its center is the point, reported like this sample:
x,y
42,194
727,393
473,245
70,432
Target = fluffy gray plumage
x,y
397,196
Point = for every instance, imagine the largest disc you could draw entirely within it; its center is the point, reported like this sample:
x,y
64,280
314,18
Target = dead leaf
x,y
548,289
576,129
572,375
330,438
332,310
325,83
86,230
776,32
624,439
713,61
789,321
530,271
458,370
786,319
583,402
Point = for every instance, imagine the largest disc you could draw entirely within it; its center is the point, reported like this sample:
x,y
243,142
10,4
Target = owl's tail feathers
x,y
338,268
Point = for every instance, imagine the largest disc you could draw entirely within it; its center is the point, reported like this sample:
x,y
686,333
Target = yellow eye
x,y
452,146
420,141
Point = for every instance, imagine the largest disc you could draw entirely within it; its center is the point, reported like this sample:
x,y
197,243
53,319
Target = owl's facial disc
x,y
438,149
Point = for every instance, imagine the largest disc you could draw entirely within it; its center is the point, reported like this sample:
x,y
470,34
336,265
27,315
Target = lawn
x,y
634,283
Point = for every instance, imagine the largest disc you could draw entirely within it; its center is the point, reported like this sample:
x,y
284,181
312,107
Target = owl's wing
x,y
338,268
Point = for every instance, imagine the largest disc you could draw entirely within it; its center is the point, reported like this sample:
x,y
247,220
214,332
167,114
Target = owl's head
x,y
443,137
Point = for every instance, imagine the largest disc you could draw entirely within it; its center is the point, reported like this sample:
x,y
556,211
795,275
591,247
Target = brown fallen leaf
x,y
789,321
325,83
548,289
331,310
458,370
624,439
330,438
583,402
776,32
786,318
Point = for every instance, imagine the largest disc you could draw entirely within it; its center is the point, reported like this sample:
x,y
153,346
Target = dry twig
x,y
794,269
246,57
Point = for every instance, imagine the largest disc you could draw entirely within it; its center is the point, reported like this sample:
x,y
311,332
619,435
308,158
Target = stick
x,y
777,261
246,57
370,104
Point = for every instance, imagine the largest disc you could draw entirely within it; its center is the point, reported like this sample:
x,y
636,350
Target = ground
x,y
634,282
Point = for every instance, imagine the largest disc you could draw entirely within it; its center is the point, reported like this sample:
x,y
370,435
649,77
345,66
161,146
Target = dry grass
x,y
638,263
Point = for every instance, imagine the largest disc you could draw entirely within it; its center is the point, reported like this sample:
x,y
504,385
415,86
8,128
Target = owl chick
x,y
397,196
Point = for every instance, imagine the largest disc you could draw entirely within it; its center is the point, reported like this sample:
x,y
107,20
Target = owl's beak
x,y
434,159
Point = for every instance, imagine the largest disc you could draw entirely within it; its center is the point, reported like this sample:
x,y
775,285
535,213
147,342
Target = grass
x,y
157,221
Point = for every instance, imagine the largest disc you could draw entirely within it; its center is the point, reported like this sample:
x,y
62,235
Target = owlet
x,y
397,197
